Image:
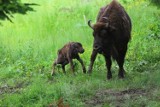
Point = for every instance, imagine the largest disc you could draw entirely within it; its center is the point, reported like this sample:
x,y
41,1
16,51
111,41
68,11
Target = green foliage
x,y
9,7
156,2
29,46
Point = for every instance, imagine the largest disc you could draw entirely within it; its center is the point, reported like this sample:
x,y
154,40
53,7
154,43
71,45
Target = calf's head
x,y
77,47
101,34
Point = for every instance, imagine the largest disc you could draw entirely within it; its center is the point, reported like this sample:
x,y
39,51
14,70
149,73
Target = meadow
x,y
29,45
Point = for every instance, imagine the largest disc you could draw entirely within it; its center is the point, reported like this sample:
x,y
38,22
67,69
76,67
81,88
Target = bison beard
x,y
111,32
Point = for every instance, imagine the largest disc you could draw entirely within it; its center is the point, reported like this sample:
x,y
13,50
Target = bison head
x,y
78,47
101,34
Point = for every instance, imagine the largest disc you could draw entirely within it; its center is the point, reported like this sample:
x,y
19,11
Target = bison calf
x,y
66,54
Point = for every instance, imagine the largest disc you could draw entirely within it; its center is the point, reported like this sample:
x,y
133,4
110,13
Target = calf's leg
x,y
71,64
63,66
53,68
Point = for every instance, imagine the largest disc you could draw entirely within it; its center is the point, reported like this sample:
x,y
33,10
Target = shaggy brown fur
x,y
66,54
111,32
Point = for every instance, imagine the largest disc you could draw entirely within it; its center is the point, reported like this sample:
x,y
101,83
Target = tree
x,y
156,2
9,7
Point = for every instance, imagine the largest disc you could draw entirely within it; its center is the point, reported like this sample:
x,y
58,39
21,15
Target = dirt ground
x,y
115,98
12,89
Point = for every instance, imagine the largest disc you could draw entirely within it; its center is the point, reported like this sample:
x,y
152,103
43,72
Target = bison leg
x,y
71,65
93,57
120,61
69,57
53,69
108,66
63,66
83,67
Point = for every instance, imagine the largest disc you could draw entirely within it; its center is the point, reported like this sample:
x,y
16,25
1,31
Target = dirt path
x,y
115,98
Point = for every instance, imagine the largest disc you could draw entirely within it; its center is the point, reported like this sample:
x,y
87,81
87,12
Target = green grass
x,y
29,46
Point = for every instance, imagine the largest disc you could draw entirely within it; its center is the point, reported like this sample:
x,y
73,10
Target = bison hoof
x,y
89,72
109,77
52,74
84,71
120,76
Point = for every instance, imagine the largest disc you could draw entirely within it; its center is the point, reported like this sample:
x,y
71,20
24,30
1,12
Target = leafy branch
x,y
10,7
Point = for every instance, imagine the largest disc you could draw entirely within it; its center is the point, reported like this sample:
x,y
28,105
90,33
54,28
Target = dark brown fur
x,y
112,33
66,54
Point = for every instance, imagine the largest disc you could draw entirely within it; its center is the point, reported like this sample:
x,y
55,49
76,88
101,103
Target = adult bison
x,y
111,33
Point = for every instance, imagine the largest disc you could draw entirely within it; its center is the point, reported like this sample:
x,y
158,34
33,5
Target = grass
x,y
29,46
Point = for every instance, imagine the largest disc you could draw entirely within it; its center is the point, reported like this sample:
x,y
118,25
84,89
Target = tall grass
x,y
30,44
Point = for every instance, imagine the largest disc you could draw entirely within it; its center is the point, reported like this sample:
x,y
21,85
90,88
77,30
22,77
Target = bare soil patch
x,y
12,89
115,98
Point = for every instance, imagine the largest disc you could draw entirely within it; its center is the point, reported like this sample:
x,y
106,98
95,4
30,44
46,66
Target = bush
x,y
156,2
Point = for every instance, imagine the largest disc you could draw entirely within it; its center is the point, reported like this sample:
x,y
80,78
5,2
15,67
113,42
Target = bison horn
x,y
89,24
